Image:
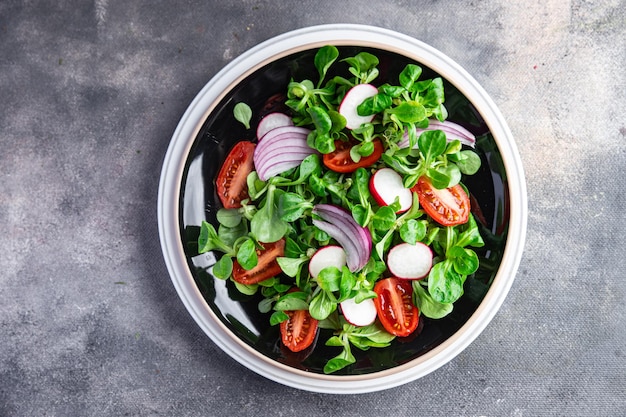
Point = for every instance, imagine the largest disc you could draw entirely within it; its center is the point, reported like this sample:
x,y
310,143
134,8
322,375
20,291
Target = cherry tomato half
x,y
231,180
394,305
267,266
340,161
448,207
299,331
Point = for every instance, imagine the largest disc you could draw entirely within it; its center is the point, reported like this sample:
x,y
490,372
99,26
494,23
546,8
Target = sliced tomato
x,y
448,206
340,161
299,331
267,266
394,305
231,180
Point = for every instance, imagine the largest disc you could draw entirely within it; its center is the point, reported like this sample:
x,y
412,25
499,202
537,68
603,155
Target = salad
x,y
348,211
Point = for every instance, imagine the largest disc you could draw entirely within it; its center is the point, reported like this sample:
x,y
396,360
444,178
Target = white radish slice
x,y
331,255
353,98
410,261
386,185
272,121
359,314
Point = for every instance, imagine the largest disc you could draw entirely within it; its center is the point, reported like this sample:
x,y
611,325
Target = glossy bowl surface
x,y
187,196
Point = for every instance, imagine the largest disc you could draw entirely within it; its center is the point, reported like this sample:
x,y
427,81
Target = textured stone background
x,y
90,94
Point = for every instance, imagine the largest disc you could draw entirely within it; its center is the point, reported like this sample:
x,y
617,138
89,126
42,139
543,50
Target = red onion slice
x,y
281,149
356,240
452,130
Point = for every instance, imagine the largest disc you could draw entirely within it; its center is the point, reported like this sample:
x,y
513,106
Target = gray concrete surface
x,y
90,93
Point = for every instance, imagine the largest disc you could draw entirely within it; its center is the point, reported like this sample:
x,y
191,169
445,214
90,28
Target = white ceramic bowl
x,y
185,199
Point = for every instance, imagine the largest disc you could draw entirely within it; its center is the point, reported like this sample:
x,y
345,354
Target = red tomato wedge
x,y
299,331
340,161
267,266
394,305
231,180
448,207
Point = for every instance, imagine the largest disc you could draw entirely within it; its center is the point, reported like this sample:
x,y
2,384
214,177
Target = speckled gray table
x,y
90,94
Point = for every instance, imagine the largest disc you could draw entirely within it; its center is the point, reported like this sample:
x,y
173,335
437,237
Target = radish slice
x,y
410,261
272,121
339,224
330,255
452,130
359,314
386,185
353,98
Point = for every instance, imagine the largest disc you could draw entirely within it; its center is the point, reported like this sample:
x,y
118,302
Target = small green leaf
x,y
256,187
374,105
409,76
465,261
321,306
361,63
470,162
278,317
243,114
223,268
347,283
246,289
364,294
291,302
427,305
321,119
412,231
355,155
409,112
281,288
445,285
384,218
338,120
361,214
291,206
335,364
229,217
334,341
471,235
329,278
265,305
291,266
454,147
366,148
444,176
209,240
309,165
393,91
246,255
266,225
324,58
432,143
229,235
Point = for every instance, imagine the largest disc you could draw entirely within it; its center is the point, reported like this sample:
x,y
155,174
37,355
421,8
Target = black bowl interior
x,y
261,90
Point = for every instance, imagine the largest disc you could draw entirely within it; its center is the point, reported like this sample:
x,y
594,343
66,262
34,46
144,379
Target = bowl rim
x,y
184,136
